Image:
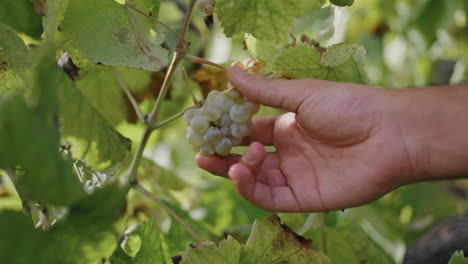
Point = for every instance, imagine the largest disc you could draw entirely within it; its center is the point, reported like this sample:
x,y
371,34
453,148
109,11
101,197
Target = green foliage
x,y
114,35
269,20
338,63
38,156
269,242
458,258
91,136
342,2
14,59
85,236
21,15
150,249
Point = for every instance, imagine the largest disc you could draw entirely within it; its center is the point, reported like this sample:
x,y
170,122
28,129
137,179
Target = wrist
x,y
434,128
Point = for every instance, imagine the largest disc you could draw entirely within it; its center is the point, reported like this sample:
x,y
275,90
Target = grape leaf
x,y
299,62
269,242
14,62
113,34
342,2
85,236
46,177
20,15
261,50
458,258
91,136
228,251
269,20
54,10
339,63
150,251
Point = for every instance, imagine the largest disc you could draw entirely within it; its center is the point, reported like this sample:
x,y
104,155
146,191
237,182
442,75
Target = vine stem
x,y
157,21
151,121
199,60
130,97
148,194
179,53
172,118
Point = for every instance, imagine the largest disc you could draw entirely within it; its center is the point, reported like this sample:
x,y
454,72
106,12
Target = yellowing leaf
x,y
269,242
112,34
14,62
270,20
339,63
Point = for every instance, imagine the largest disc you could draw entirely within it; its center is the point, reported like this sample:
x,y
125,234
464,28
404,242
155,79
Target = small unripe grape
x,y
224,102
189,115
239,130
235,141
194,138
212,95
207,150
239,113
211,111
253,107
212,135
200,123
225,120
223,148
225,131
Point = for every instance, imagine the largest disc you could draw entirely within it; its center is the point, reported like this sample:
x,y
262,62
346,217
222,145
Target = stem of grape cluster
x,y
199,60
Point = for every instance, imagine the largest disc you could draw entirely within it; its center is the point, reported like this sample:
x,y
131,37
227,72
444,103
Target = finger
x,y
220,165
284,94
217,165
271,198
262,131
254,156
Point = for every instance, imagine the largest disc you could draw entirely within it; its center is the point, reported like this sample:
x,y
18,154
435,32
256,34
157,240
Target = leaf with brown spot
x,y
269,242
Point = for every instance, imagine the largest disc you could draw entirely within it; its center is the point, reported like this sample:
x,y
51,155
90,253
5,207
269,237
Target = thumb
x,y
278,93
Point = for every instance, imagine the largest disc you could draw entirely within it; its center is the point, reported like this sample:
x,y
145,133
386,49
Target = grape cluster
x,y
220,124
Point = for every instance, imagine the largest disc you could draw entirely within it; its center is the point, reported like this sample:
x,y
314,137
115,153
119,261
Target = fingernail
x,y
249,157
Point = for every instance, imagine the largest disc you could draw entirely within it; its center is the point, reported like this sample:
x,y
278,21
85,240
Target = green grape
x,y
225,120
211,111
239,130
207,150
200,123
212,95
212,135
234,94
189,115
223,148
342,2
194,138
224,102
239,113
235,141
225,131
253,107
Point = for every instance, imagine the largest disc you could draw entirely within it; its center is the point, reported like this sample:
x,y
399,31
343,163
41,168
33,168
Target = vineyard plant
x,y
105,103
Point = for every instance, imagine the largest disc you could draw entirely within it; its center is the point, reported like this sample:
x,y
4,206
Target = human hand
x,y
338,146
